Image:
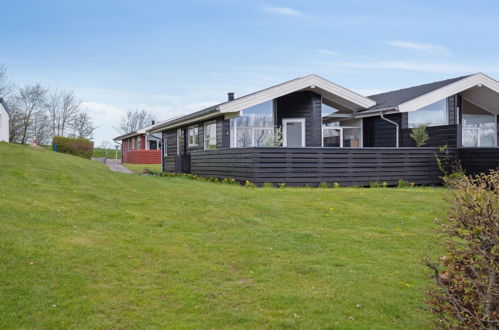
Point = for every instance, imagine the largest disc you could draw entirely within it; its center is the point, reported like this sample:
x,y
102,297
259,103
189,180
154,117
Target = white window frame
x,y
205,139
341,128
165,147
478,129
338,128
431,125
285,121
196,128
179,136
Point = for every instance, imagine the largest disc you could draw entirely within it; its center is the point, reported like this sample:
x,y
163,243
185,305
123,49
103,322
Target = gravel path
x,y
115,166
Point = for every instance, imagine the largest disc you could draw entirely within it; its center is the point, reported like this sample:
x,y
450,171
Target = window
x,y
165,147
153,145
210,135
193,136
254,128
432,115
479,127
138,143
346,133
133,143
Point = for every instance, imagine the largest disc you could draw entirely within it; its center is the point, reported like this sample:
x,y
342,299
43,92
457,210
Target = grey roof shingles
x,y
392,99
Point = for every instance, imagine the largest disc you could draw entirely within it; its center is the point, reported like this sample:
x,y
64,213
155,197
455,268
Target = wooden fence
x,y
301,166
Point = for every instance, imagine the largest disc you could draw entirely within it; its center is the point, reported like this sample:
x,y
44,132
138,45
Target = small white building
x,y
4,121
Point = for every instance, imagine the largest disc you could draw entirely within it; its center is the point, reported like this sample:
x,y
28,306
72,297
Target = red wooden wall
x,y
142,157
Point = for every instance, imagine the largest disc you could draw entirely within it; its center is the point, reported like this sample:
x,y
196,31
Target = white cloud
x,y
282,11
420,47
327,52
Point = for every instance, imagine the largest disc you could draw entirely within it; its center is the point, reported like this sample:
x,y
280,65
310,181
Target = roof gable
x,y
312,82
319,85
458,86
391,100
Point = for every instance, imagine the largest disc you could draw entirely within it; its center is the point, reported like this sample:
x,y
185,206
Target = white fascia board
x,y
449,90
184,122
313,81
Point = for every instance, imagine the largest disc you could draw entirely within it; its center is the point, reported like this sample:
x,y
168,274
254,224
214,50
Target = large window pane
x,y
331,137
254,128
210,135
338,130
479,130
432,115
193,136
351,137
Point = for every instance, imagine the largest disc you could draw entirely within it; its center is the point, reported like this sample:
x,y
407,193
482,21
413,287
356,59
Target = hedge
x,y
77,147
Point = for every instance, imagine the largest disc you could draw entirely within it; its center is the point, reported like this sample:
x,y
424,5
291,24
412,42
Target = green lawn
x,y
109,153
139,168
83,247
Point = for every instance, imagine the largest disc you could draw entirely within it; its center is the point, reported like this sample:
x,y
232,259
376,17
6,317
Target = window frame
x,y
205,138
446,111
196,129
233,127
286,121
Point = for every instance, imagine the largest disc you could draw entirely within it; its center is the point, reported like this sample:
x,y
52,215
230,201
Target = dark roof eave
x,y
125,136
186,118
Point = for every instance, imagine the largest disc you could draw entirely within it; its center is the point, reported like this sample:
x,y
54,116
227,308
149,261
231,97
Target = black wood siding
x,y
169,160
306,105
380,133
181,162
479,160
439,136
300,166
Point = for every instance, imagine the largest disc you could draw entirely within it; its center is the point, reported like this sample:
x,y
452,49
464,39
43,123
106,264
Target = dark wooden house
x,y
310,130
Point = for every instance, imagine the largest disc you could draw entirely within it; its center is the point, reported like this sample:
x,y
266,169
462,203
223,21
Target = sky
x,y
176,57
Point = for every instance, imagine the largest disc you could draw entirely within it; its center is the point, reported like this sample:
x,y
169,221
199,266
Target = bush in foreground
x,y
78,147
467,291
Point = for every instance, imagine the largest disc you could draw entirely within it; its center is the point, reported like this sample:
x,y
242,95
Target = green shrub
x,y
466,289
323,185
268,185
449,164
420,135
281,185
78,147
249,184
402,184
375,184
336,185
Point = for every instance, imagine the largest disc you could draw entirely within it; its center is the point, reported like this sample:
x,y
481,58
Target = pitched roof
x,y
326,88
392,99
134,133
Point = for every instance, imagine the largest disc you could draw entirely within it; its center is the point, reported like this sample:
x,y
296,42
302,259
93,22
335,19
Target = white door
x,y
293,131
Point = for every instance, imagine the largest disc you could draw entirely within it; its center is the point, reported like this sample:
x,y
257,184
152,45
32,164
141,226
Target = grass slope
x,y
139,168
109,153
84,247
